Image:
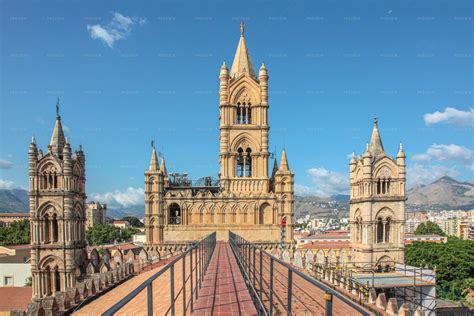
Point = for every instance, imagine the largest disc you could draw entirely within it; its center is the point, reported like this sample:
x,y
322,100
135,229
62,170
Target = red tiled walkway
x,y
223,290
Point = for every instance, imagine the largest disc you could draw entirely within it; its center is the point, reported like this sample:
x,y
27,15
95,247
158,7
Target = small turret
x,y
263,80
284,162
401,153
275,167
163,167
153,161
353,162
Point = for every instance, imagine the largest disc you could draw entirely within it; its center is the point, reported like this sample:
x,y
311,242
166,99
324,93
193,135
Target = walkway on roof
x,y
223,290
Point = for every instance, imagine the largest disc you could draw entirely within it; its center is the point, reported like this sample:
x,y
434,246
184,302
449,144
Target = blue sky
x,y
127,72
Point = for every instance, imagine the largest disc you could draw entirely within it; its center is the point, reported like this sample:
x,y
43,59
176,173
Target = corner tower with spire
x,y
57,211
377,205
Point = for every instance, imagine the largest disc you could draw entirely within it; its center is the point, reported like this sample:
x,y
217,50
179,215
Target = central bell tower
x,y
244,126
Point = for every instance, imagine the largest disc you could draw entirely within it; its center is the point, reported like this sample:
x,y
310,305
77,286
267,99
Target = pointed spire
x,y
153,161
353,159
163,166
275,167
242,63
284,162
57,138
376,147
401,153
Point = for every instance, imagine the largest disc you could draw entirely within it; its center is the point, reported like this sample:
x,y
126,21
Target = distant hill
x,y
14,201
444,193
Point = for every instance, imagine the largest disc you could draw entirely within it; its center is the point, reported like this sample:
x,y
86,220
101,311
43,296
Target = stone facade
x,y
96,213
377,205
57,212
246,200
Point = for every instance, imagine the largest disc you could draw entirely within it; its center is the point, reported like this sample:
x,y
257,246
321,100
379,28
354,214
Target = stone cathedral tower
x,y
377,205
57,211
245,199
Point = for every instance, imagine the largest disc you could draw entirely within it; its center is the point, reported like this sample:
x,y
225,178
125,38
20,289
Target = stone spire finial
x,y
284,162
163,166
242,63
242,28
57,138
154,159
401,153
376,147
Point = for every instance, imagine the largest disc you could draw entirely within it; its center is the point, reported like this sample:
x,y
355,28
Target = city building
x,y
96,213
57,209
6,219
15,268
139,237
246,198
377,205
120,224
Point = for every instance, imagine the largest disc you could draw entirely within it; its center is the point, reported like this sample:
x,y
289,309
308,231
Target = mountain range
x,y
444,193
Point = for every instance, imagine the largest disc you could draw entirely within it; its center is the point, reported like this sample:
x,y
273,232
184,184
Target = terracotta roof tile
x,y
14,298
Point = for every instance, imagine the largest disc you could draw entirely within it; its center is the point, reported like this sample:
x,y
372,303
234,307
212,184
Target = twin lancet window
x,y
243,162
383,230
244,113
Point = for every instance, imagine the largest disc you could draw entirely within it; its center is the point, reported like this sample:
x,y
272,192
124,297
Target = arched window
x,y
46,228
379,186
49,283
387,229
239,162
174,216
244,113
57,280
380,232
54,228
248,163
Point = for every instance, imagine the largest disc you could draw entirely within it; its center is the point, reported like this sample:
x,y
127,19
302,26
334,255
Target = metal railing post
x,y
290,284
149,292
254,265
191,279
328,298
271,286
172,289
196,272
261,274
184,285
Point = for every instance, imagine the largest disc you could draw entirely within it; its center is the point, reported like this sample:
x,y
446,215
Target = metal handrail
x,y
245,252
202,250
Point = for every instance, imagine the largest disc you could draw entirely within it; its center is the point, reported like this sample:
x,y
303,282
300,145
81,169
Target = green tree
x,y
107,234
17,233
452,261
133,221
429,228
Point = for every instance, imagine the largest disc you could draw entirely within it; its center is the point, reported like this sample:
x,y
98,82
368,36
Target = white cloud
x,y
5,164
9,185
324,183
419,174
451,116
131,196
442,152
117,29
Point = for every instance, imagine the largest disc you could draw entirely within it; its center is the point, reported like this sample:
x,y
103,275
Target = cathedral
x,y
57,213
246,199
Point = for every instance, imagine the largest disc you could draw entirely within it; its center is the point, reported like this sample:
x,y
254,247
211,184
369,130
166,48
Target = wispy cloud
x,y
119,28
444,153
419,174
129,197
9,185
324,183
5,164
450,116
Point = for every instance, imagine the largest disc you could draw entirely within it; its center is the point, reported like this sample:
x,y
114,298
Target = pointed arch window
x,y
244,113
248,163
239,163
54,228
387,229
380,230
174,217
